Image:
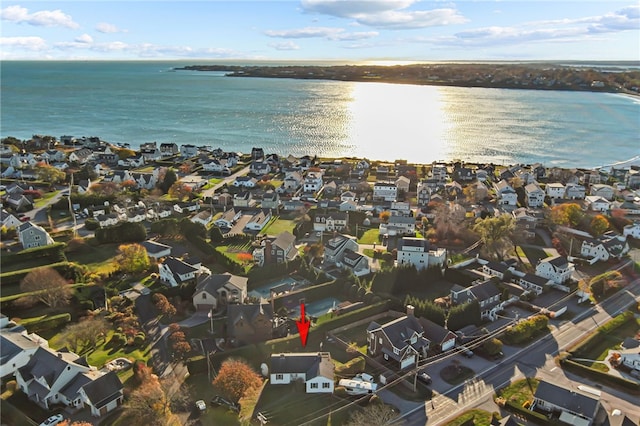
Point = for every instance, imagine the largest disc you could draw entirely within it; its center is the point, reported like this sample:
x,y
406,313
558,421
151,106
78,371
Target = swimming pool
x,y
315,309
284,285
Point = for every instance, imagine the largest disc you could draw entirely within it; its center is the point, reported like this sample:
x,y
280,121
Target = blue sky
x,y
344,30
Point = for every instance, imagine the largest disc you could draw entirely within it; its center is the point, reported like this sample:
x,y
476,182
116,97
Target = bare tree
x,y
46,285
85,333
373,414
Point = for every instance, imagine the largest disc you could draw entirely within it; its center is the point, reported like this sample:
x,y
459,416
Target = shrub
x,y
91,224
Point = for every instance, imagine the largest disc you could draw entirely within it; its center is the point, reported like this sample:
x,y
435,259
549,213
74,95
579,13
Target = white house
x,y
18,347
334,249
632,230
356,262
335,221
575,192
423,193
507,196
533,283
203,218
608,246
105,220
555,190
245,182
417,252
312,182
597,203
156,250
383,191
398,225
557,269
188,150
228,218
174,271
8,220
534,196
602,190
258,220
315,369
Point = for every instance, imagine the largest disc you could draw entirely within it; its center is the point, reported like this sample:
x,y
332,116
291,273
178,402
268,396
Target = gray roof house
x,y
315,369
219,289
575,408
32,235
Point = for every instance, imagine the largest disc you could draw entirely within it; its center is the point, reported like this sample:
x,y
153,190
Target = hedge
x,y
600,376
68,270
604,329
39,324
352,367
55,252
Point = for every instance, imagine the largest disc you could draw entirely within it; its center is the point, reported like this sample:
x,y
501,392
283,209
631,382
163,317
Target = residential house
x,y
398,225
257,154
384,191
270,200
495,269
441,339
403,183
18,201
608,246
575,192
32,235
402,208
330,188
335,248
156,250
188,151
315,369
400,342
228,218
526,221
169,149
105,220
259,168
348,206
534,196
215,165
312,182
507,196
51,378
174,271
356,262
81,156
150,151
602,190
626,207
137,215
292,181
243,199
280,249
632,178
575,408
245,182
348,196
335,221
463,174
247,324
486,293
53,156
557,269
214,291
423,193
555,190
439,172
417,252
534,283
632,230
258,220
7,220
597,203
17,347
203,217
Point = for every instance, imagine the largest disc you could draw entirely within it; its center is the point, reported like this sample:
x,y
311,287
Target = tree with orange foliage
x,y
567,214
599,224
129,185
235,378
245,257
384,216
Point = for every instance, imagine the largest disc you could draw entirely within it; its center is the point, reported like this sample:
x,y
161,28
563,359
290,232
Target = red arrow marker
x,y
303,326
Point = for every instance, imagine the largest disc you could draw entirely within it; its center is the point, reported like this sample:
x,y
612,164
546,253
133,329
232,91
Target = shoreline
x,y
472,75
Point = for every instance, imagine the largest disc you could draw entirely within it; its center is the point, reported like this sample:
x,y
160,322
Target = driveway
x,y
211,191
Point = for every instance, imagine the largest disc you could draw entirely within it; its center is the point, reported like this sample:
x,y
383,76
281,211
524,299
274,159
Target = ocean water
x,y
138,102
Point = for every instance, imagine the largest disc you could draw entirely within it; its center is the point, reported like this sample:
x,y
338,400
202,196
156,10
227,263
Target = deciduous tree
x,y
567,214
373,414
495,233
133,258
599,224
46,285
50,174
235,378
85,333
163,305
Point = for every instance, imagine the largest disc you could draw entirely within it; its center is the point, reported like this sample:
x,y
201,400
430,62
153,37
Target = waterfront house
x,y
169,149
214,291
216,166
557,269
188,151
315,369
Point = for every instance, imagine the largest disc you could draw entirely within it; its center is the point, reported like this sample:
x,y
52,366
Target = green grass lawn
x,y
520,391
201,388
279,225
45,199
479,418
599,348
99,259
371,236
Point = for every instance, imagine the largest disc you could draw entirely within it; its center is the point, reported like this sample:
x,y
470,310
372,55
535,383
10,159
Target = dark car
x,y
498,355
467,352
424,377
218,400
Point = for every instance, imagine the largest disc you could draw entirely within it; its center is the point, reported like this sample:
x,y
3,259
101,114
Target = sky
x,y
378,31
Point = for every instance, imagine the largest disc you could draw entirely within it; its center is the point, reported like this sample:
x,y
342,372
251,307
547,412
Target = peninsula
x,y
507,76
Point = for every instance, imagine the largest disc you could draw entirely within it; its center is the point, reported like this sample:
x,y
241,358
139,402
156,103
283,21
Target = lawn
x,y
201,388
478,417
534,254
99,259
40,202
519,392
371,236
598,348
279,225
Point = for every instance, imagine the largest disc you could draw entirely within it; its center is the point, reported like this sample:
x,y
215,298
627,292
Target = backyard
x,y
278,225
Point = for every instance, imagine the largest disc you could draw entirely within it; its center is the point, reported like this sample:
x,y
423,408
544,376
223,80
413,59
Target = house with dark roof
x,y
32,235
18,201
248,324
280,249
357,263
607,246
400,342
574,408
16,348
335,247
174,271
156,250
315,369
8,220
103,394
486,293
258,221
534,283
441,339
218,290
495,269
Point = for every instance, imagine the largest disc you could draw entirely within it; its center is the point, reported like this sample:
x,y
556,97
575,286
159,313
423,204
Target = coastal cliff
x,y
508,76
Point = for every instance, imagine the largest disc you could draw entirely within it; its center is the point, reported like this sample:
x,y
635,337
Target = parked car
x,y
53,420
498,355
467,352
218,400
424,377
200,404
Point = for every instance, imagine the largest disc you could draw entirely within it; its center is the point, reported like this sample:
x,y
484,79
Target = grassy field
x,y
98,259
478,417
371,236
201,388
45,198
520,391
598,350
279,225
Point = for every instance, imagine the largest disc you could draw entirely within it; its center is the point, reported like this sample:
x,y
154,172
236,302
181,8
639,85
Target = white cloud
x,y
287,45
385,14
84,38
43,18
560,30
104,27
329,33
28,43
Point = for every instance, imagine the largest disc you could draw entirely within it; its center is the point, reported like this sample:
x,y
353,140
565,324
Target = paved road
x,y
534,360
211,191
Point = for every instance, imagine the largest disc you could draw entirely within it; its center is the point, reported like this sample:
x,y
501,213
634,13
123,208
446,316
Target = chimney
x,y
410,310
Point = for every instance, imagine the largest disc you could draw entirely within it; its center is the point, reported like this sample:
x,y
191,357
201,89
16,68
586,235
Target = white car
x,y
202,406
53,420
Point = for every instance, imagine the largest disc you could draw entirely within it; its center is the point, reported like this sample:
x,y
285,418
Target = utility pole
x,y
73,216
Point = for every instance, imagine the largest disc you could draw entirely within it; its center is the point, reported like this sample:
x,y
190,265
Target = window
x,y
326,385
396,351
379,340
279,377
314,386
204,295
